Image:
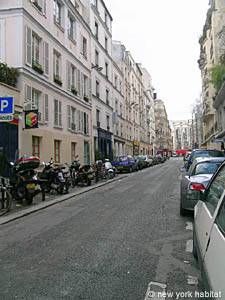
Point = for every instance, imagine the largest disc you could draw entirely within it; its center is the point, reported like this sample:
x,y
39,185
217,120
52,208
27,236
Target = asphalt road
x,y
109,243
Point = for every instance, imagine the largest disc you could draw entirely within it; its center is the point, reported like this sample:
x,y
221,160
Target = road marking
x,y
189,246
156,290
192,280
189,226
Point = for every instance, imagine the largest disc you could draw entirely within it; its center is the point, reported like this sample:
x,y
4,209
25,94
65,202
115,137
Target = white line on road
x,y
156,290
189,246
189,226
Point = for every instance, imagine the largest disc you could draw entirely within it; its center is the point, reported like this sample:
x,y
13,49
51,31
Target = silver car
x,y
196,179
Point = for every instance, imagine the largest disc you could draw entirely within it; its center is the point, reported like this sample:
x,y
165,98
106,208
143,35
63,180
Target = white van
x,y
209,233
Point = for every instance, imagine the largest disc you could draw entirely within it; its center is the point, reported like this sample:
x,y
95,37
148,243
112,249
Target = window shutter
x,y
46,115
89,89
60,113
46,57
77,120
28,97
44,7
68,75
87,125
82,122
28,46
56,115
79,82
69,116
40,106
82,85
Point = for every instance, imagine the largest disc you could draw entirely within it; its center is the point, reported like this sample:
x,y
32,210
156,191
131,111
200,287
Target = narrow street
x,y
109,243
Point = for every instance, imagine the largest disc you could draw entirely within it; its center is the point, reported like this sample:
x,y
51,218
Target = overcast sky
x,y
163,35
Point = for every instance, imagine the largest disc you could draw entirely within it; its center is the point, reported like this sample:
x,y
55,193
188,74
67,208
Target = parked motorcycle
x,y
80,175
56,178
24,183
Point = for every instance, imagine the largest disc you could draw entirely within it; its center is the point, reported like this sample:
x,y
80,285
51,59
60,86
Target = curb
x,y
43,205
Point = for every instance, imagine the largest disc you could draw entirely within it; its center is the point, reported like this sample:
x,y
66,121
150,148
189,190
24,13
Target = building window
x,y
107,122
116,81
106,44
84,47
40,5
36,146
107,96
86,88
73,151
57,151
36,44
96,30
121,110
58,12
71,28
97,88
97,115
57,113
86,123
106,19
106,70
96,58
57,67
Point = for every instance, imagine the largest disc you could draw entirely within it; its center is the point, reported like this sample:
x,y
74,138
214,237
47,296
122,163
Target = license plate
x,y
31,186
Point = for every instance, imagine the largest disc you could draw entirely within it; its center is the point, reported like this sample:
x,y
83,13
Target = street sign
x,y
6,106
6,118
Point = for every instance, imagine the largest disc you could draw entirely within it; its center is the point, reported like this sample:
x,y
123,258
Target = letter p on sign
x,y
6,105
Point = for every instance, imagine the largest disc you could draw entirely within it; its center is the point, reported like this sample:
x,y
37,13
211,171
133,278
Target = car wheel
x,y
194,251
130,170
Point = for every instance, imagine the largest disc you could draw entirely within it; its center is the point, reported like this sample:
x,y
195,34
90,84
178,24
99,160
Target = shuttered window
x,y
28,46
46,57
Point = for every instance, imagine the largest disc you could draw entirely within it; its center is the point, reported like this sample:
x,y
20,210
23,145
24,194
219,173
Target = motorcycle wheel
x,y
60,189
89,182
29,198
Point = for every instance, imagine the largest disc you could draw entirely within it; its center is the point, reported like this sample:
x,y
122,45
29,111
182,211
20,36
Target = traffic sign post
x,y
6,109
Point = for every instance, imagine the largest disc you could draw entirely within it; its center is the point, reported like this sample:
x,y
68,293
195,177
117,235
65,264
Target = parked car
x,y
200,172
141,163
202,153
125,163
209,232
149,160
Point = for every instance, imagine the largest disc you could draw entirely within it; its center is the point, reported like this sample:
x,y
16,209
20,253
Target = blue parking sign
x,y
6,105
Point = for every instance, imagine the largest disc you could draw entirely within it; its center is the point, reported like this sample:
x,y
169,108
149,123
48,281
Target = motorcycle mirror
x,y
11,163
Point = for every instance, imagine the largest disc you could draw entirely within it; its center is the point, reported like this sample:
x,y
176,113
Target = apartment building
x,y
182,132
119,124
102,79
49,42
148,112
212,50
164,141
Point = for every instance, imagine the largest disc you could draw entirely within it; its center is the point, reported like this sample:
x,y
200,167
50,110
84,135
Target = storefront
x,y
105,144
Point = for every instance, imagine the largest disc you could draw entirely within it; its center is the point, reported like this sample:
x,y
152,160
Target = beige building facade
x,y
164,140
52,52
212,47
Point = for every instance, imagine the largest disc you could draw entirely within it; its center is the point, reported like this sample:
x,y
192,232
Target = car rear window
x,y
206,168
213,153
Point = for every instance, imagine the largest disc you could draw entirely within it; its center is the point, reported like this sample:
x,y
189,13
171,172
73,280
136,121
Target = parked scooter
x,y
56,178
110,171
80,175
24,183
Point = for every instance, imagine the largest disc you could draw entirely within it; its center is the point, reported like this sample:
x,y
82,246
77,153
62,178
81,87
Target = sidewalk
x,y
19,212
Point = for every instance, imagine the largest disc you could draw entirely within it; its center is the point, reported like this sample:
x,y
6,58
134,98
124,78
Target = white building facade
x,y
102,79
51,49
